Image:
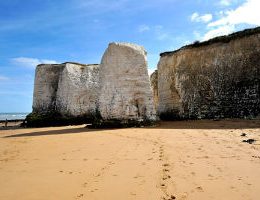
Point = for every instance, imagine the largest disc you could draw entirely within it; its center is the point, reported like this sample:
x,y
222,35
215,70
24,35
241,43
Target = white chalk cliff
x,y
77,90
125,90
45,87
70,89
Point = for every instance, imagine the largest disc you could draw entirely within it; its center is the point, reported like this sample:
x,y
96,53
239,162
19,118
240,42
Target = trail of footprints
x,y
165,174
165,178
96,178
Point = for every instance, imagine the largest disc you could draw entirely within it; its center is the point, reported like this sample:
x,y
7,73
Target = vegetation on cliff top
x,y
220,39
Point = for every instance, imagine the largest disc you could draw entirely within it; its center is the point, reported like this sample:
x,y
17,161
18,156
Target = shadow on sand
x,y
55,132
189,124
210,124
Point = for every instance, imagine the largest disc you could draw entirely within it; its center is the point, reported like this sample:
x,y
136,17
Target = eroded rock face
x,y
45,87
68,89
125,92
78,90
154,84
217,79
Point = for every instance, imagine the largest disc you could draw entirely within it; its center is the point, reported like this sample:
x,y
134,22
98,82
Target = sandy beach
x,y
10,124
175,160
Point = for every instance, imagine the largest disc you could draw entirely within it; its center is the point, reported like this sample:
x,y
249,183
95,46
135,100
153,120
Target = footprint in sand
x,y
169,197
80,196
199,189
205,134
166,165
256,157
183,196
163,185
172,197
165,177
97,175
219,169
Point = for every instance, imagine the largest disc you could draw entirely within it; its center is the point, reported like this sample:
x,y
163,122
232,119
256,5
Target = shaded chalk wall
x,y
217,79
45,87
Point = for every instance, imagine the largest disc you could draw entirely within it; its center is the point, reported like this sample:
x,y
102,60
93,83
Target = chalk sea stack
x,y
219,78
125,93
77,92
64,94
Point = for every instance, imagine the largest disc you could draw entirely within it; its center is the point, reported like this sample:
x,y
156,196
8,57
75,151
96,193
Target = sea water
x,y
12,116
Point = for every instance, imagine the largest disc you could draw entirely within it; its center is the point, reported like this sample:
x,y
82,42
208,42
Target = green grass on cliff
x,y
220,39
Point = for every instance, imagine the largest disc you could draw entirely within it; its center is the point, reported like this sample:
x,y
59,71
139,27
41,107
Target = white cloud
x,y
3,78
225,2
31,62
247,13
150,71
143,28
196,17
187,42
222,30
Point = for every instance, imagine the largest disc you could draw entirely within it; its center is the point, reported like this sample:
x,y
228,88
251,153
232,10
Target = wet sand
x,y
175,160
11,124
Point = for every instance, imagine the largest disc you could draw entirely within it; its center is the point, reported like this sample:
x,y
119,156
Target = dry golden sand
x,y
182,160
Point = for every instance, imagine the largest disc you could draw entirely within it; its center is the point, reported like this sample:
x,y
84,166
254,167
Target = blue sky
x,y
55,31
